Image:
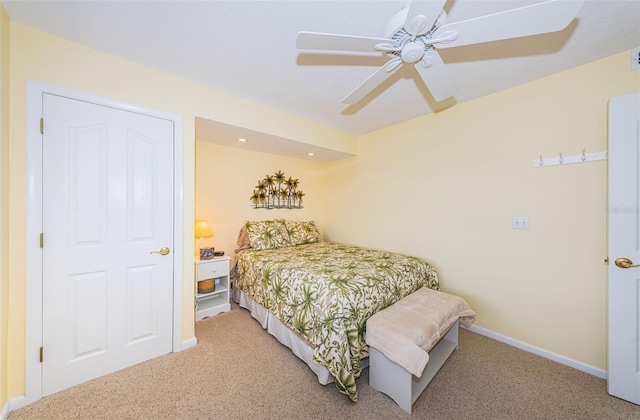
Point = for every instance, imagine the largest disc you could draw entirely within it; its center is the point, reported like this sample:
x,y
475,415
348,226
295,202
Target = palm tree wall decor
x,y
277,192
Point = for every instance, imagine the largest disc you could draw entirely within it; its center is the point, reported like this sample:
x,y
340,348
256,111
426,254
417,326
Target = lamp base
x,y
207,253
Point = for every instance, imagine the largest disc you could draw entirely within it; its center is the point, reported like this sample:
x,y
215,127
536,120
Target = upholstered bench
x,y
410,341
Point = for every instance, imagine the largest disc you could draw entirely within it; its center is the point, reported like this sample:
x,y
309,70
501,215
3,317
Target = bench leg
x,y
404,388
389,378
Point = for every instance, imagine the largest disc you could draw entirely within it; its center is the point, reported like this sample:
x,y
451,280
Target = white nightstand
x,y
216,301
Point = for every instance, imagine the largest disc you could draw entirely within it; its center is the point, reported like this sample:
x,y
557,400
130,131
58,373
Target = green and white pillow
x,y
303,232
268,234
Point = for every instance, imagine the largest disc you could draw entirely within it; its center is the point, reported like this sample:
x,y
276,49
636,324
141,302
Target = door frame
x,y
35,93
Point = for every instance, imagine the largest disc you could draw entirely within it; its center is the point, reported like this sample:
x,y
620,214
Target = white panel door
x,y
624,243
107,204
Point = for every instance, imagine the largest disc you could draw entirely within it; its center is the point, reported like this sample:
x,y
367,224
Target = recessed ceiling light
x,y
242,140
310,154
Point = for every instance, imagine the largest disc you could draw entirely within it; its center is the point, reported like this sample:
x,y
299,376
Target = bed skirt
x,y
284,334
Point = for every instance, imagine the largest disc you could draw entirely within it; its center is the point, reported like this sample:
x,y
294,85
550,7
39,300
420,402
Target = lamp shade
x,y
203,230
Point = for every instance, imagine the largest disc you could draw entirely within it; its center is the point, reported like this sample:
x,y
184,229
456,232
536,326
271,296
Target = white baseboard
x,y
4,413
17,402
592,370
189,343
12,404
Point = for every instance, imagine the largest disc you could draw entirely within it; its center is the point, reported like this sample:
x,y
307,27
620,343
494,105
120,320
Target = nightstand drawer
x,y
212,269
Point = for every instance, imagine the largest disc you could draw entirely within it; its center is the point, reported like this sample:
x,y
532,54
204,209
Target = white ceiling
x,y
228,135
247,48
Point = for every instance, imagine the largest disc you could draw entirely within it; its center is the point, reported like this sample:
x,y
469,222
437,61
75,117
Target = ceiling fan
x,y
416,32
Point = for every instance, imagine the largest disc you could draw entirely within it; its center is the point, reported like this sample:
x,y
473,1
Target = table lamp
x,y
203,230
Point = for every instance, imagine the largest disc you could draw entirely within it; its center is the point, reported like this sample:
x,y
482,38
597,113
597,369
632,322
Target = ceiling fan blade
x,y
336,42
534,19
382,74
430,9
435,75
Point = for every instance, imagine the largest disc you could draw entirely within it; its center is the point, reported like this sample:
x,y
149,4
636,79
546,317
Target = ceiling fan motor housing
x,y
412,51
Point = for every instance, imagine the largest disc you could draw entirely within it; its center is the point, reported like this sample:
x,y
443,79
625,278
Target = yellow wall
x,y
4,201
445,187
225,179
39,56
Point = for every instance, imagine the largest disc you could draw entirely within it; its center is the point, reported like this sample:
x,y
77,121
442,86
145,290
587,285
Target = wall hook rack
x,y
565,160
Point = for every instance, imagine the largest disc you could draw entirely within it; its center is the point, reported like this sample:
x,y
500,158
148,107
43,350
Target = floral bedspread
x,y
327,291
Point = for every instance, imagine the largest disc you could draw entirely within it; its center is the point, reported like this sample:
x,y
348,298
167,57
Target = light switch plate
x,y
520,222
635,59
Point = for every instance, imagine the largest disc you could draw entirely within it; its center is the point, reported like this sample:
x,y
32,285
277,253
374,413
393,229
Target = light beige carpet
x,y
238,371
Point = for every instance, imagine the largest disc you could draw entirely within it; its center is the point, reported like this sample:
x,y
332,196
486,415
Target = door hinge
x,y
41,125
42,240
41,355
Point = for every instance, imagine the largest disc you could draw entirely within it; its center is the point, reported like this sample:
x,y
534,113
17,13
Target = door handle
x,y
164,251
625,263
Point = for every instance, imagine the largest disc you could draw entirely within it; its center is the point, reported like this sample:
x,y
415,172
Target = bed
x,y
321,292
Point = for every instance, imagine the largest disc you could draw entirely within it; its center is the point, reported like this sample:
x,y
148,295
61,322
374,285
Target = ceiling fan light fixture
x,y
412,51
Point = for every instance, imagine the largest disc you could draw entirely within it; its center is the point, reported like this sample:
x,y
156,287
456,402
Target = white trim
x,y
592,370
5,411
192,342
16,402
11,405
35,92
178,254
33,391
